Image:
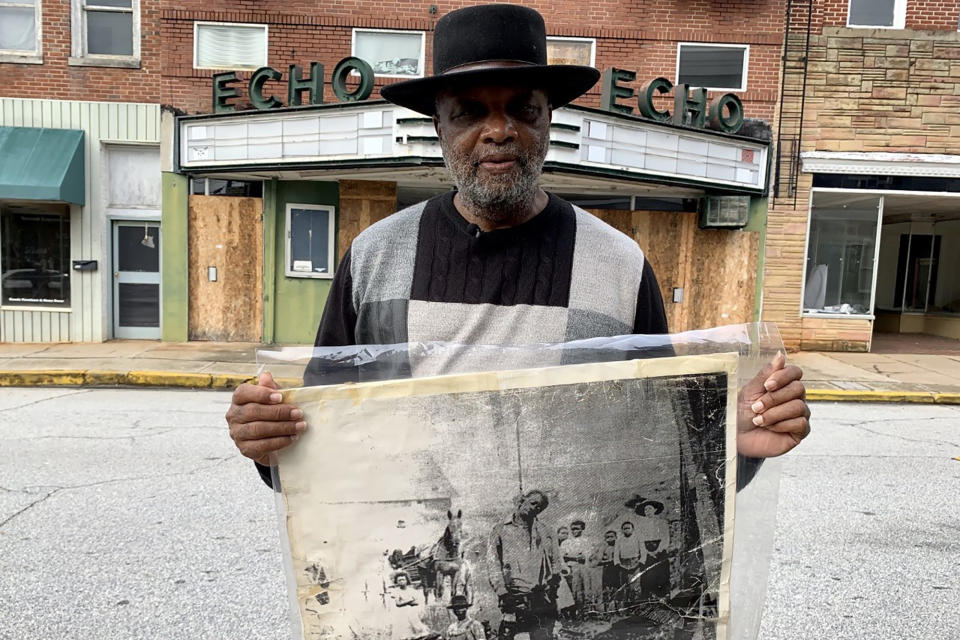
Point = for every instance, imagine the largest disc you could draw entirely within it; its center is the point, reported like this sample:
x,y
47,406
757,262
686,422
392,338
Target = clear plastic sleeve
x,y
755,346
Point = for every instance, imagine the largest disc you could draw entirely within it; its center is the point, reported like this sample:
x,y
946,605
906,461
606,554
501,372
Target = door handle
x,y
116,274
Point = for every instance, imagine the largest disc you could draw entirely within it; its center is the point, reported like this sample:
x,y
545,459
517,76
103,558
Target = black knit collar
x,y
534,226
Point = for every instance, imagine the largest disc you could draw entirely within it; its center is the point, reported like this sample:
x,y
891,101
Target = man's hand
x,y
259,424
773,416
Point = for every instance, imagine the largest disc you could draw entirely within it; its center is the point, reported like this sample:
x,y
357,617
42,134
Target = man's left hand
x,y
772,412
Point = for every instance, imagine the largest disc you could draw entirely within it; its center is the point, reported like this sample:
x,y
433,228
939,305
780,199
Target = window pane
x,y
714,67
110,33
874,13
36,259
138,305
231,46
18,29
395,54
198,186
569,52
840,253
110,3
309,241
134,251
134,174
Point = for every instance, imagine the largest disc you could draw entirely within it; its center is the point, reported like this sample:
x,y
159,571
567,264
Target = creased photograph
x,y
581,501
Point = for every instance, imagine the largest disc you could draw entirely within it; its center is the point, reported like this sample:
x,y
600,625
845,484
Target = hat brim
x,y
563,83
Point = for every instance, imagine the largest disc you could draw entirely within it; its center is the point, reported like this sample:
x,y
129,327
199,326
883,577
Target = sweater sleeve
x,y
650,318
336,329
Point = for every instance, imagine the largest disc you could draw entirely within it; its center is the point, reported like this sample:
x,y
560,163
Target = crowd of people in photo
x,y
628,565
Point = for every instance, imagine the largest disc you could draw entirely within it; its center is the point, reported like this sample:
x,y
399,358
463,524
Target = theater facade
x,y
306,179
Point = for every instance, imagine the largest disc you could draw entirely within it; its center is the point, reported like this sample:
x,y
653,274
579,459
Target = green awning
x,y
41,164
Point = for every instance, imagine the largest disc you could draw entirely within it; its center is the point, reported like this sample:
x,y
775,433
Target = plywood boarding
x,y
362,202
101,121
226,233
716,268
723,278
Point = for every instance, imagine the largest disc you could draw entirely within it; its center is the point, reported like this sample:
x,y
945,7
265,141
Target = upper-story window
x,y
225,45
713,66
20,31
394,54
563,50
888,14
105,33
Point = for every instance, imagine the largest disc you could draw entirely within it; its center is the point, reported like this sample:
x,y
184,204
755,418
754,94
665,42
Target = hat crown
x,y
487,33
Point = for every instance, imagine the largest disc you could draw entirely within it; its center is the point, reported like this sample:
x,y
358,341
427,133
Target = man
x,y
611,573
629,555
464,627
524,569
499,261
575,550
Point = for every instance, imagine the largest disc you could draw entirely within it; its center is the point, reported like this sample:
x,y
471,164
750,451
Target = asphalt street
x,y
129,514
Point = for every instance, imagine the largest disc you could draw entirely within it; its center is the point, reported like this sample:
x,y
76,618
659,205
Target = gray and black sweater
x,y
426,274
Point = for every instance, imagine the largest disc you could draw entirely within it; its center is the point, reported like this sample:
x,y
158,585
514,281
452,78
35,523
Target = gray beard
x,y
498,198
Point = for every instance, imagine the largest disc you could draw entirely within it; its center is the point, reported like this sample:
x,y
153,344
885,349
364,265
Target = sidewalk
x,y
896,377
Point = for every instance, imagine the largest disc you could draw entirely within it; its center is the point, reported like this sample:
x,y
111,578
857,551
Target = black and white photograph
x,y
584,501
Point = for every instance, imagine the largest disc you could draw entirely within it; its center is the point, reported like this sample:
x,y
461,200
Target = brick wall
x,y
638,36
56,79
881,90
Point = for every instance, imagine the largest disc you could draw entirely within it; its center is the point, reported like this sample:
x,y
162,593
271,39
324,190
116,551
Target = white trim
x,y
22,57
331,241
881,163
266,44
420,64
592,41
147,277
78,37
892,192
899,17
746,63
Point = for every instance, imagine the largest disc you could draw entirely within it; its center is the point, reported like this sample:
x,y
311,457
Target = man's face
x,y
562,534
610,537
576,530
531,505
460,612
494,141
627,529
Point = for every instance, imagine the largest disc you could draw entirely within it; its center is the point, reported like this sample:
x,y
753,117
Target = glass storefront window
x,y
36,256
310,237
841,254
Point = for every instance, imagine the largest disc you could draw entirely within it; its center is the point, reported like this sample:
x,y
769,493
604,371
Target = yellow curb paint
x,y
228,381
915,397
41,378
288,383
169,379
95,378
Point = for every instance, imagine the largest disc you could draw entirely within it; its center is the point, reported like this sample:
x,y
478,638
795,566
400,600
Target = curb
x,y
165,379
910,397
228,381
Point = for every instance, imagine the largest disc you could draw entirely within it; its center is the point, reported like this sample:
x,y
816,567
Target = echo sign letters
x,y
690,105
296,85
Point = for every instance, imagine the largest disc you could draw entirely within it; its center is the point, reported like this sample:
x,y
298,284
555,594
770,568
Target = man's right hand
x,y
259,424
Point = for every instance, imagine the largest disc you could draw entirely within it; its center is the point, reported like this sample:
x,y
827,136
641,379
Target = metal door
x,y
136,280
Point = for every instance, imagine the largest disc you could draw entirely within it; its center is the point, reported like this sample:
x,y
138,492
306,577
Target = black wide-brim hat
x,y
492,44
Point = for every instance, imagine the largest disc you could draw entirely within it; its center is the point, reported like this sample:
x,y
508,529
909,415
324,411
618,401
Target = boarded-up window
x,y
570,51
133,177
